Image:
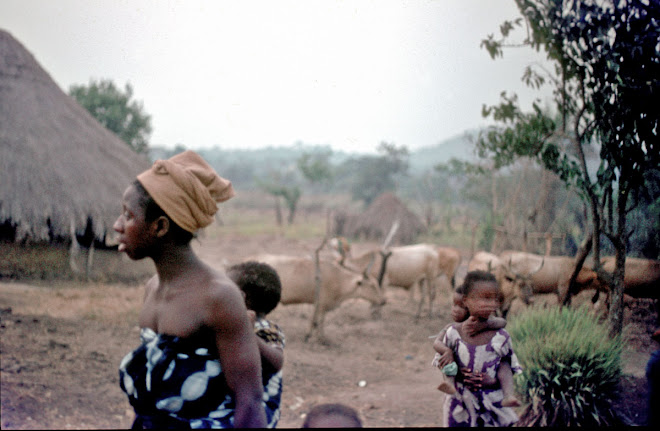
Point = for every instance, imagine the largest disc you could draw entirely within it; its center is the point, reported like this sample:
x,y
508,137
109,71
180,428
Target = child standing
x,y
262,289
479,356
444,357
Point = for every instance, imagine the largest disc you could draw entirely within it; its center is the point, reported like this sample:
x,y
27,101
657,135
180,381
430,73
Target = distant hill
x,y
252,161
459,147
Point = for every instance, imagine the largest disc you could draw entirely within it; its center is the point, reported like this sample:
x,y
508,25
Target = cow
x,y
641,278
405,267
535,274
298,277
484,261
449,259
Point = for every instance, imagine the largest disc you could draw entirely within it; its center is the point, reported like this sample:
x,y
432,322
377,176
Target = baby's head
x,y
332,416
260,283
458,311
481,294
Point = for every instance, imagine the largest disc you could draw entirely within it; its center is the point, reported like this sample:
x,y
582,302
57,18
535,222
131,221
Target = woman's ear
x,y
161,226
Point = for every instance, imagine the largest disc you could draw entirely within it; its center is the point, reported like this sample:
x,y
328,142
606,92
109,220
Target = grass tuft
x,y
571,367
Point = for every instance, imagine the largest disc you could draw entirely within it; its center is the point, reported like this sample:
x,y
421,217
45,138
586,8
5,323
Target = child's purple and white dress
x,y
480,407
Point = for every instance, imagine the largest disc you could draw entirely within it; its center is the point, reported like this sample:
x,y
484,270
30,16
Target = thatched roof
x,y
58,165
375,223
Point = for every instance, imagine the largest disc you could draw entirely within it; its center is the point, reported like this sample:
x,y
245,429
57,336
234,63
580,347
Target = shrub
x,y
571,367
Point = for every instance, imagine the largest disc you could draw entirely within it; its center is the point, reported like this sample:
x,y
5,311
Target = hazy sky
x,y
248,74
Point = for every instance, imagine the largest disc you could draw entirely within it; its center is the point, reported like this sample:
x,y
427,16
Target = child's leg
x,y
447,384
505,377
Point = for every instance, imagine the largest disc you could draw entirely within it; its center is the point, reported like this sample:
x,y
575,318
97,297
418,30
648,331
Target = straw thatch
x,y
375,223
59,167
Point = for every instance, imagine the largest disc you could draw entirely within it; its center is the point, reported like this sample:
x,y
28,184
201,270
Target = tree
x,y
282,185
316,167
116,111
606,87
376,174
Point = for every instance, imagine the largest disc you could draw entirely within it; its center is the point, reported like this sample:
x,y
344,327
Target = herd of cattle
x,y
368,274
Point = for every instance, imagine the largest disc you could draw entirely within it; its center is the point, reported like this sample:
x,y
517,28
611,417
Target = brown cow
x,y
449,259
641,278
534,274
298,277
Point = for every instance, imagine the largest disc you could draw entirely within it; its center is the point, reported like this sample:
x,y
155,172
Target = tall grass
x,y
571,367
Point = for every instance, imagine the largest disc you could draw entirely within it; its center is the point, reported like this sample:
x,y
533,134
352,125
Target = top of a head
x,y
260,282
332,416
474,277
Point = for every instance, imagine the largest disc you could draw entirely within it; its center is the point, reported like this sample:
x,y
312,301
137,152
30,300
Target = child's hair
x,y
325,410
261,284
473,277
152,211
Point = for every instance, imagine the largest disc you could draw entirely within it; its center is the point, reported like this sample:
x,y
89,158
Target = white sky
x,y
249,74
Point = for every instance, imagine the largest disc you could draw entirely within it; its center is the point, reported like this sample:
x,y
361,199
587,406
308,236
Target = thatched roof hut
x,y
59,167
375,223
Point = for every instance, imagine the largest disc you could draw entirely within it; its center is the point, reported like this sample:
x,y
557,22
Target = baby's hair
x,y
324,410
473,277
152,211
460,290
261,284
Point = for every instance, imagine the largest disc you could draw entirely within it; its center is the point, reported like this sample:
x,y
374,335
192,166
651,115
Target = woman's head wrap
x,y
187,189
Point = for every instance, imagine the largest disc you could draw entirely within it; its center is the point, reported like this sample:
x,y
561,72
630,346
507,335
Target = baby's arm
x,y
271,355
473,326
446,354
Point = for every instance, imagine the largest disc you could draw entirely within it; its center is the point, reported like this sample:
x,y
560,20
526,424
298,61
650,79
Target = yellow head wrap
x,y
187,189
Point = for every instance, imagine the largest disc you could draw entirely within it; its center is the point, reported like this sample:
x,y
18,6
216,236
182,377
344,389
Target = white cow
x,y
298,277
405,267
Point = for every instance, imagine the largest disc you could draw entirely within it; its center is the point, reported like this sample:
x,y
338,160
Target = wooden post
x,y
90,260
548,243
74,251
315,325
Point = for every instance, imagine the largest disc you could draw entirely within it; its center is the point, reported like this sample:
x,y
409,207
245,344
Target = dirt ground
x,y
61,345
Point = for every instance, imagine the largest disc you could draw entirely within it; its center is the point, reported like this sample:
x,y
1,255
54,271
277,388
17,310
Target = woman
x,y
198,365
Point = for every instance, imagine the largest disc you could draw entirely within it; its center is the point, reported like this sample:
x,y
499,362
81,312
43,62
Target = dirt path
x,y
61,345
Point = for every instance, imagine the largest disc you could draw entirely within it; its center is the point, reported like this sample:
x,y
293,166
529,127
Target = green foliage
x,y
285,185
373,175
571,367
116,111
316,167
606,88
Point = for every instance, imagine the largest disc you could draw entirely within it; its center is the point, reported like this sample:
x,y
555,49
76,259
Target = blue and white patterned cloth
x,y
181,379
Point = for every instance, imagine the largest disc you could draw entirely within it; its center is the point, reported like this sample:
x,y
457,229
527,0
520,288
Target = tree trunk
x,y
616,290
580,257
278,211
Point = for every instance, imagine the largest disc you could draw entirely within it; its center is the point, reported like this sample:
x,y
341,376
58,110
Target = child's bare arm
x,y
495,322
473,326
271,355
446,354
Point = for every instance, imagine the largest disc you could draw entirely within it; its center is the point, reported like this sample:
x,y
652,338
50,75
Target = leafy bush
x,y
571,367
